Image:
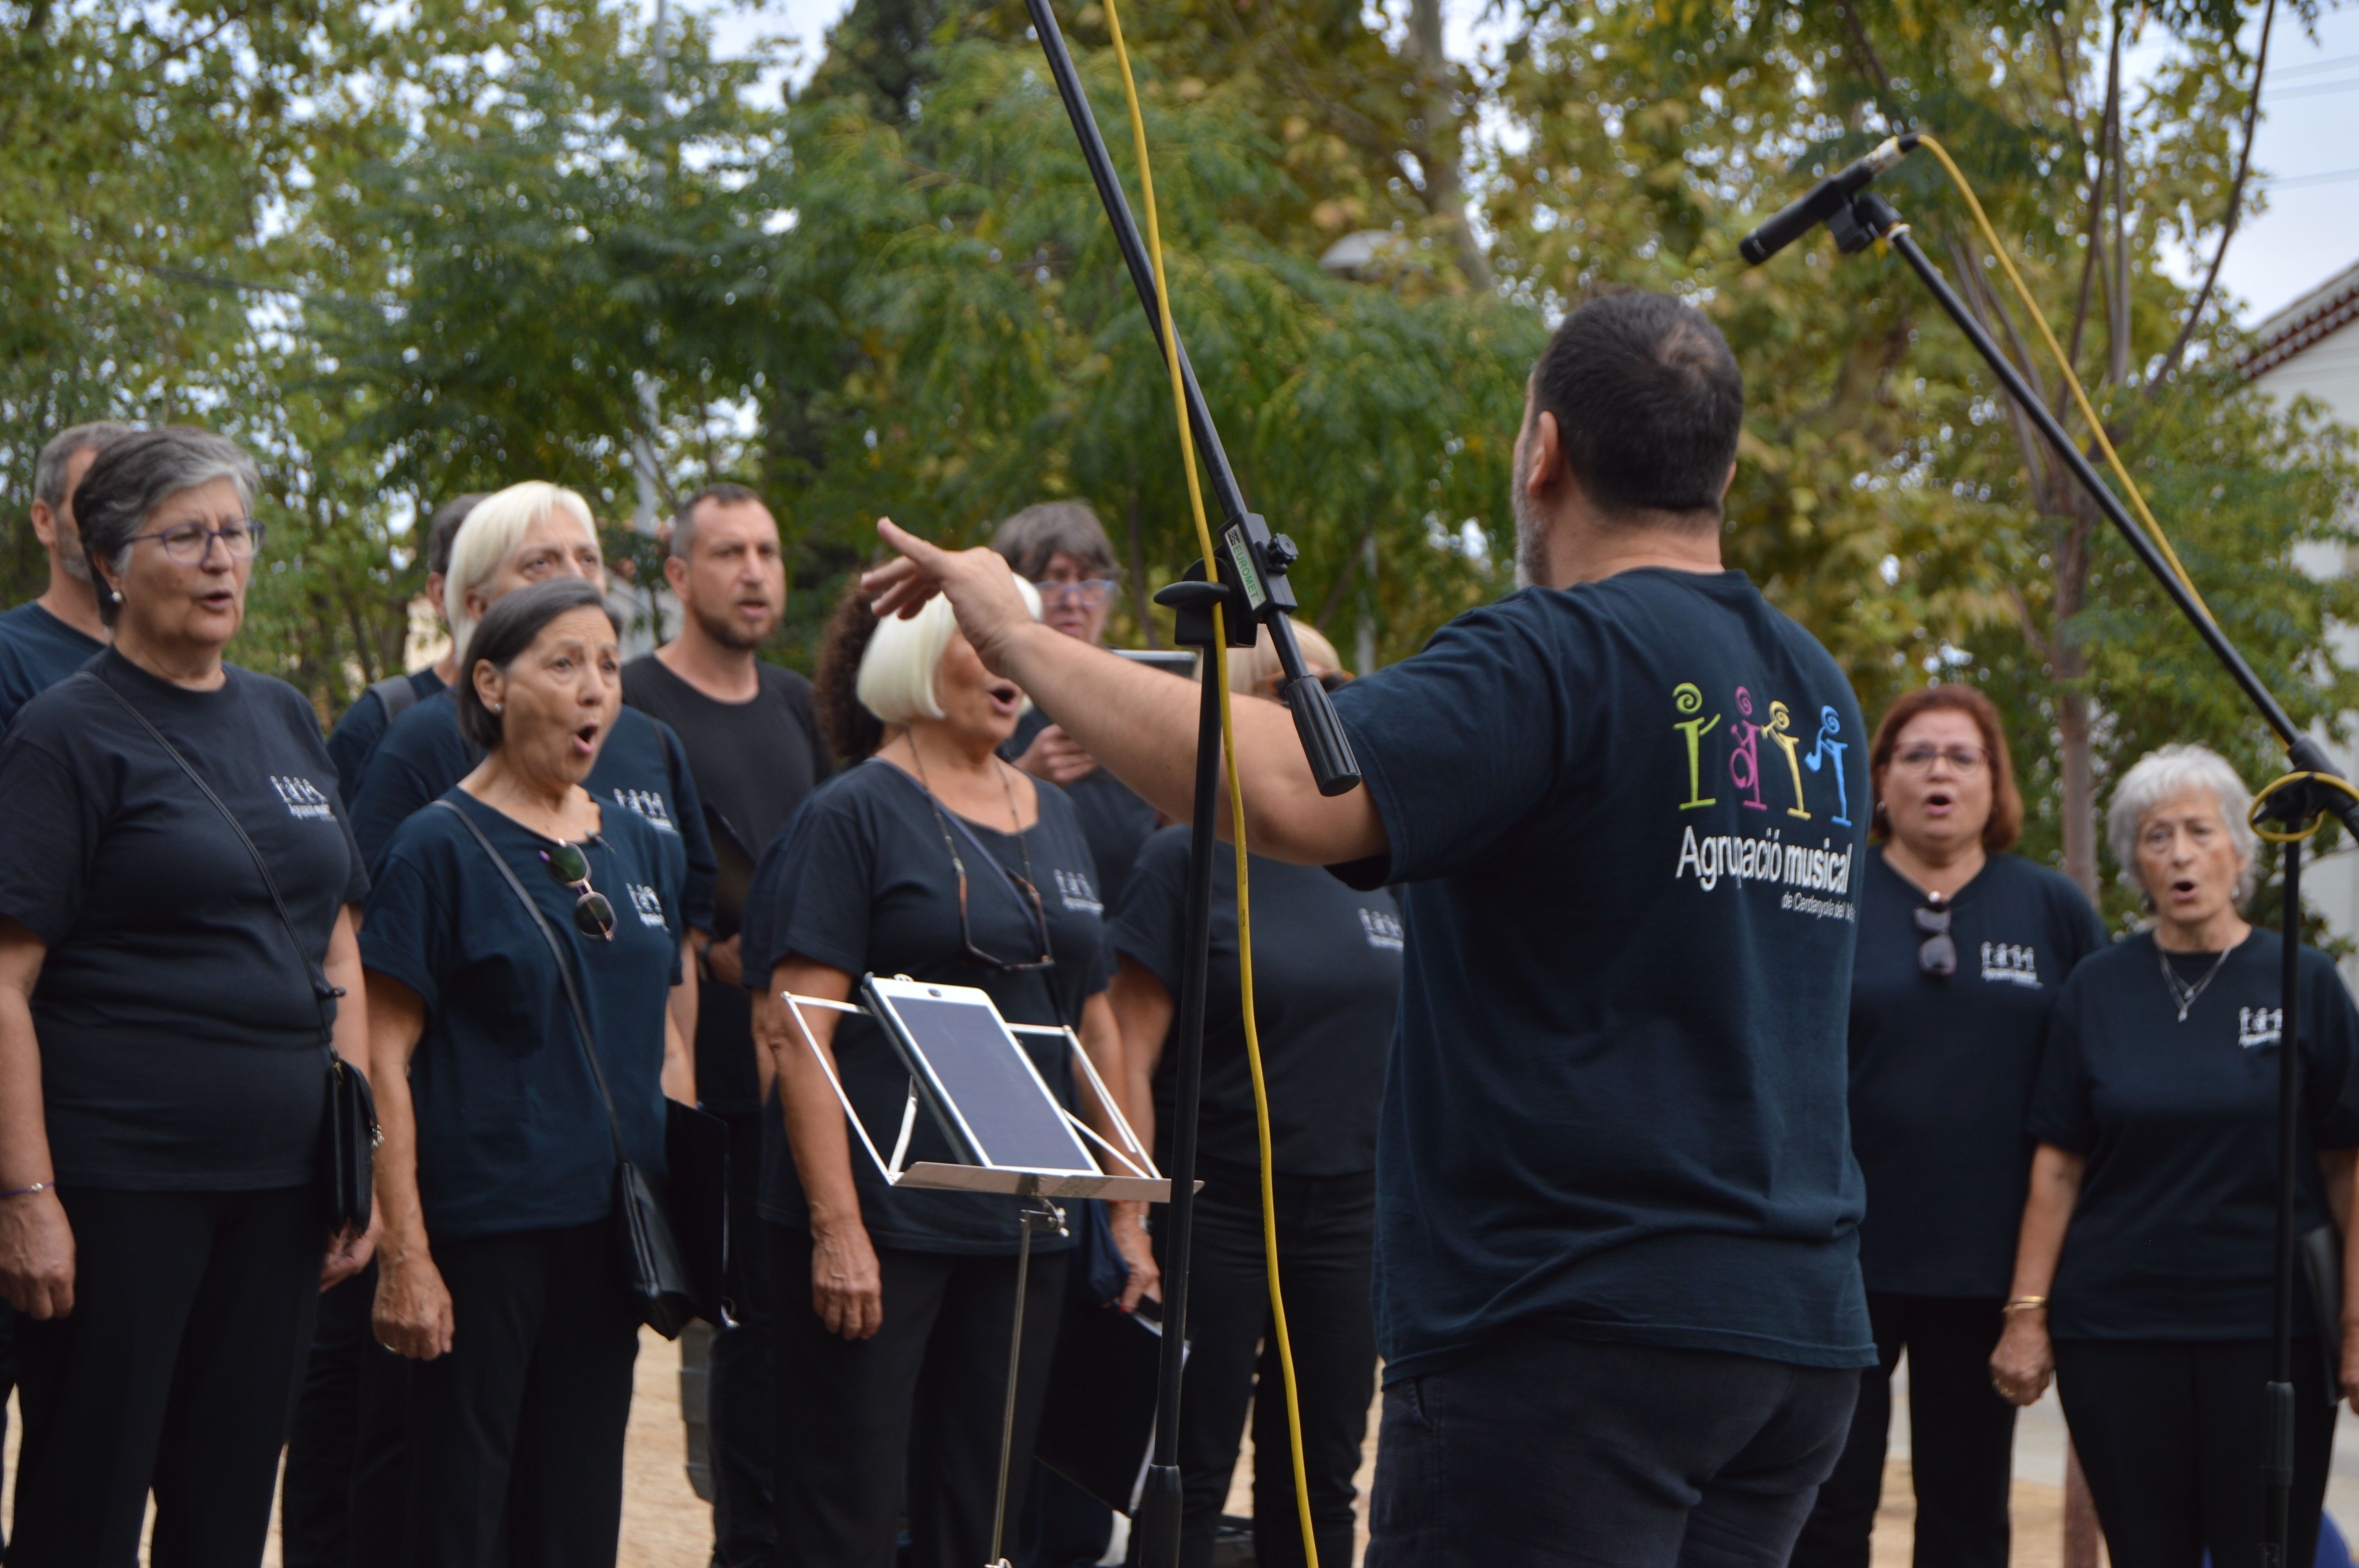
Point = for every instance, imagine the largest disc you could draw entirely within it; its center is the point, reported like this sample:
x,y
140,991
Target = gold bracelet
x,y
2025,1304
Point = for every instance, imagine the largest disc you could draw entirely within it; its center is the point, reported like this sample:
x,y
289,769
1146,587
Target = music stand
x,y
995,1109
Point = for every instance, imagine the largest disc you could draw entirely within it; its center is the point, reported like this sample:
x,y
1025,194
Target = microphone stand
x,y
1247,581
1857,217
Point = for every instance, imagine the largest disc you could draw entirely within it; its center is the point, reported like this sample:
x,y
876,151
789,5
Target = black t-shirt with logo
x,y
36,650
182,1037
753,763
1942,1069
354,738
1627,816
1115,821
512,1134
1327,969
861,881
641,767
2172,1235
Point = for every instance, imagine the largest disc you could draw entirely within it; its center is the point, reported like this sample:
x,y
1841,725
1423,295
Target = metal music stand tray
x,y
994,1107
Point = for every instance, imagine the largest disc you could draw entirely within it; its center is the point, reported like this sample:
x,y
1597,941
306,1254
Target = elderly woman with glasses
x,y
500,1278
2143,1278
178,889
936,859
1963,950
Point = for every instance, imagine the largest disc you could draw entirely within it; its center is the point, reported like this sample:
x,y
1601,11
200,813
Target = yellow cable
x,y
2039,320
1219,673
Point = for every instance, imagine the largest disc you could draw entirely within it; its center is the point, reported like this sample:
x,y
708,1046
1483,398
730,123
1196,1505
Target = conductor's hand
x,y
1128,1222
36,1255
979,583
349,1250
847,1289
1054,756
2350,1359
2024,1360
412,1317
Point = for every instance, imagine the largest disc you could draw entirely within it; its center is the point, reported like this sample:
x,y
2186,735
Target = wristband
x,y
2025,1304
27,1192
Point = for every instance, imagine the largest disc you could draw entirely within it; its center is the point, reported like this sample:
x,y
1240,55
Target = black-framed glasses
x,y
1965,760
593,915
1938,953
188,543
1089,593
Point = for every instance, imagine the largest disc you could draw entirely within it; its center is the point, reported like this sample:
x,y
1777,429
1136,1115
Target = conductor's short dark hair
x,y
1647,400
443,531
506,630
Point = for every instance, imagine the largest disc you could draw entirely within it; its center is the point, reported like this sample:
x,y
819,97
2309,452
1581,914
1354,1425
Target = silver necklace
x,y
2181,992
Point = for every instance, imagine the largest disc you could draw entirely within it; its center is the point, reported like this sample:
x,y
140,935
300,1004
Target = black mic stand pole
x,y
1863,217
1247,579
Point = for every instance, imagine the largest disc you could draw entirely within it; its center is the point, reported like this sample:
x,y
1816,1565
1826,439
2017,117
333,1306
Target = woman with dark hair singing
x,y
1963,949
501,1276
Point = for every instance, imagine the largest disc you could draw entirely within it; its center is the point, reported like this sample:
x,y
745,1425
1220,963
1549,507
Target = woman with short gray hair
x,y
178,891
2143,1276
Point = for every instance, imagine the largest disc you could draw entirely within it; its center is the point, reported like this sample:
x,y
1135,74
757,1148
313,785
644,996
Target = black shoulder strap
x,y
321,989
396,694
564,970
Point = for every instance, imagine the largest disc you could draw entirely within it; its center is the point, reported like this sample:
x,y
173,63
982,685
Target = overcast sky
x,y
2310,112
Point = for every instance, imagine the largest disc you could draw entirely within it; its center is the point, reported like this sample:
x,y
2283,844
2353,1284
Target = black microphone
x,y
1824,200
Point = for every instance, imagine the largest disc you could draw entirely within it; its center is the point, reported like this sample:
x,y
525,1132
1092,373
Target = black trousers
x,y
515,1439
175,1371
2170,1438
1543,1450
745,1400
1960,1433
1326,1239
912,1414
315,1491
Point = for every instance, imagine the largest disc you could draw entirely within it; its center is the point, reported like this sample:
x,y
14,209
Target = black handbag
x,y
664,1290
347,1130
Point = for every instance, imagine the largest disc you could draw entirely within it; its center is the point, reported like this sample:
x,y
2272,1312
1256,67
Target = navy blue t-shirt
x,y
511,1132
1114,819
182,1037
1942,1069
1327,969
859,880
36,650
2173,1235
641,767
354,738
1627,816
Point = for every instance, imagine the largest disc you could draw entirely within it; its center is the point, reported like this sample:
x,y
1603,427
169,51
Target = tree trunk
x,y
2076,750
1437,149
1144,606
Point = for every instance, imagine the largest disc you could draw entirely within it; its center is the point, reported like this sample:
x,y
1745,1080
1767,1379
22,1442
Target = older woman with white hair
x,y
178,891
936,860
2143,1277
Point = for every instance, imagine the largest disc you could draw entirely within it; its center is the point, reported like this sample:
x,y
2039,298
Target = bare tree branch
x,y
1875,64
2117,326
2095,248
2235,211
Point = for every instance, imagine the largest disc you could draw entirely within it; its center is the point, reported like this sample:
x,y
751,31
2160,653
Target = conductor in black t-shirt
x,y
1964,950
171,954
753,744
1617,1282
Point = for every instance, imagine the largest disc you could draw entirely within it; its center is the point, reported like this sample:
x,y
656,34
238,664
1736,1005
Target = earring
x,y
495,707
116,594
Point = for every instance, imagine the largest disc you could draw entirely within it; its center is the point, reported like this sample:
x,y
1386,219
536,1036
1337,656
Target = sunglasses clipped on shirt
x,y
593,915
1938,953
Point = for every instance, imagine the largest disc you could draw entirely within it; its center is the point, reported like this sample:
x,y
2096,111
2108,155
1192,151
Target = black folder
x,y
1099,1423
696,1154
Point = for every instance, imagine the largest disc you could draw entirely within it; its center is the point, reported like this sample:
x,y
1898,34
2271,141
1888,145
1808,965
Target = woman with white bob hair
x,y
2143,1277
936,859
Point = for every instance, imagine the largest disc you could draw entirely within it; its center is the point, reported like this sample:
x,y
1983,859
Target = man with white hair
x,y
46,639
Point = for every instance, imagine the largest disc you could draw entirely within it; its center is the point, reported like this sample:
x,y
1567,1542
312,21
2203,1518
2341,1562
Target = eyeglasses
x,y
592,915
1024,889
1962,759
188,543
1937,955
1087,594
